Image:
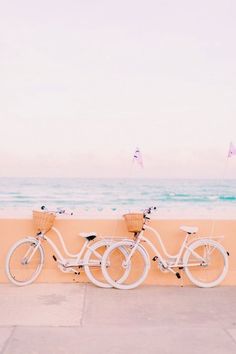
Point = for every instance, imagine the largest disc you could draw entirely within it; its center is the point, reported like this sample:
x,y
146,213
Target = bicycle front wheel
x,y
93,261
115,264
206,263
24,261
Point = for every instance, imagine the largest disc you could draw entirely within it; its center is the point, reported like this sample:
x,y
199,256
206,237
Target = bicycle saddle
x,y
189,229
89,235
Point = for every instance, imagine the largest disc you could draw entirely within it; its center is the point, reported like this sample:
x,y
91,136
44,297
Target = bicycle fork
x,y
133,249
25,260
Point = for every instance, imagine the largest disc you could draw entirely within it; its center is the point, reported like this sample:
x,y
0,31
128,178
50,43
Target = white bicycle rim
x,y
10,272
96,280
222,262
119,284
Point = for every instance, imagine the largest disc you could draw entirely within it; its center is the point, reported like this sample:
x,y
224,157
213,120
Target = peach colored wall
x,y
14,229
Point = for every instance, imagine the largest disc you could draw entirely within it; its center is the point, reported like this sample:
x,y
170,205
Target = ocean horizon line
x,y
122,178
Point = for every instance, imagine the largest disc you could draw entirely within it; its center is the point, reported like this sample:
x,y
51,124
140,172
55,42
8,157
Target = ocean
x,y
172,197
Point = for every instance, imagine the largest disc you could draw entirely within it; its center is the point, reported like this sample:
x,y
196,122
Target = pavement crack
x,y
228,332
8,340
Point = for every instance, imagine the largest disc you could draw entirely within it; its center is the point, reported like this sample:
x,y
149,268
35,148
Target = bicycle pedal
x,y
77,273
54,257
155,258
178,275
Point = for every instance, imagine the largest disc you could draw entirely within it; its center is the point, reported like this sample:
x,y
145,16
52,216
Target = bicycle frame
x,y
77,257
61,259
175,258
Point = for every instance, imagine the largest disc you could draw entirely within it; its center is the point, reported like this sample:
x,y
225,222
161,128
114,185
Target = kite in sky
x,y
138,157
232,150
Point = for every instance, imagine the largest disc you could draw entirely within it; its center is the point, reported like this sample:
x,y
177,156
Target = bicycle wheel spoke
x,y
210,250
212,269
116,264
24,263
94,263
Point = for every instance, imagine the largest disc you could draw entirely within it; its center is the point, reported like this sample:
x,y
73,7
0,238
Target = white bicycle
x,y
25,259
204,260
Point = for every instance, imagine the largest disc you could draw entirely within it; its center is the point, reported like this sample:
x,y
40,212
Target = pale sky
x,y
83,83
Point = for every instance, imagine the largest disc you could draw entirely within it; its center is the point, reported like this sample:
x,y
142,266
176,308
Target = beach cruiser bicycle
x,y
25,259
204,260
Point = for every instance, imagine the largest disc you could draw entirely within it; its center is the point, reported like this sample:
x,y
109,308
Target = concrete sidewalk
x,y
81,319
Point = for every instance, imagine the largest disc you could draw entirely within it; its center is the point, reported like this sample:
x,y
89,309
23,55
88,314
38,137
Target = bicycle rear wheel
x,y
206,263
24,261
115,263
93,261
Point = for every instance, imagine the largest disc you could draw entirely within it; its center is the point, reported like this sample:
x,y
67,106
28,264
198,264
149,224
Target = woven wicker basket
x,y
134,222
43,221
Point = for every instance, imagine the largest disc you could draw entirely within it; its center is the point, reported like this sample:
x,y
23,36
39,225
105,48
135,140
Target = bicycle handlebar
x,y
63,211
57,211
148,211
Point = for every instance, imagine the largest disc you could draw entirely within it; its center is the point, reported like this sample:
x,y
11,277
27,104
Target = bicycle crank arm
x,y
177,274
